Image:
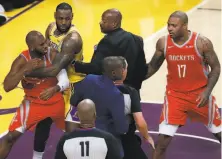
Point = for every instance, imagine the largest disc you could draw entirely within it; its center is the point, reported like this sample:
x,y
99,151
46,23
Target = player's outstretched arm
x,y
71,45
205,47
157,59
19,67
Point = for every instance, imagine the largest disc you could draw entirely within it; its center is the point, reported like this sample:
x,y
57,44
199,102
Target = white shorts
x,y
168,129
71,115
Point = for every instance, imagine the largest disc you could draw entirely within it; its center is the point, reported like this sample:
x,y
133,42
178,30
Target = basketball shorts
x,y
71,115
178,107
67,95
29,114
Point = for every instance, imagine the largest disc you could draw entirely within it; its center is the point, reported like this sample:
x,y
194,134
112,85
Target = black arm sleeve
x,y
94,67
113,148
135,101
130,55
59,150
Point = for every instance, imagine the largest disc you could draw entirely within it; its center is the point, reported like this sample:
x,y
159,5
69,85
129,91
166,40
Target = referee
x,y
130,141
87,141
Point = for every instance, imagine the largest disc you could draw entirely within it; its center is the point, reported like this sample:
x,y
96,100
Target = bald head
x,y
111,20
114,15
181,15
37,43
32,37
86,111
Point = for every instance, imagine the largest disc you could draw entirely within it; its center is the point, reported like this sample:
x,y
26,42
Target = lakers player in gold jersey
x,y
56,33
64,37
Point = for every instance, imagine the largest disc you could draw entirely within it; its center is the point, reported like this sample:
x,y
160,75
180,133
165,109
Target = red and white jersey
x,y
186,68
34,86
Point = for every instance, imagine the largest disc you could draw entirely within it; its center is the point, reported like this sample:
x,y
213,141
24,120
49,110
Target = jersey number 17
x,y
181,71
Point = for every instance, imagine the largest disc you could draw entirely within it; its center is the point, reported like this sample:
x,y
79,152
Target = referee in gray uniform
x,y
87,142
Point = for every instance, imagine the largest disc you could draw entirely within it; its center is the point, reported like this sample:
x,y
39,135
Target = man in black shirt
x,y
117,42
130,141
87,141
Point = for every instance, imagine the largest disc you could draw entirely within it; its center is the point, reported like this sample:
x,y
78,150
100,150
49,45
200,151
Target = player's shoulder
x,y
52,24
25,54
162,39
203,43
73,34
72,37
202,38
25,51
160,44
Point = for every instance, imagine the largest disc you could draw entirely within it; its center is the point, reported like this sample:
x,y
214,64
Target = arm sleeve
x,y
135,101
113,148
87,68
63,80
118,114
59,150
94,67
130,55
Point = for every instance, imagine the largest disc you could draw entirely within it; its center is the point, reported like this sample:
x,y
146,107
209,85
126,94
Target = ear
x,y
114,25
113,73
55,15
72,15
185,26
95,114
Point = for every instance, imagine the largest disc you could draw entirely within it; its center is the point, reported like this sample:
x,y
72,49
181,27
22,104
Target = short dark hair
x,y
180,14
64,6
113,62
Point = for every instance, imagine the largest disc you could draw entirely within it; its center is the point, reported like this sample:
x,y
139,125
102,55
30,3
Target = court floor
x,y
143,17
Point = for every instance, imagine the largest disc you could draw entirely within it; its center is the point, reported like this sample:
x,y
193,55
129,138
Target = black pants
x,y
42,132
132,147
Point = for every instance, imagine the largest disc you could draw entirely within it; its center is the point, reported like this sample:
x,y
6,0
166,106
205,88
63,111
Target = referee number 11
x,y
181,71
84,148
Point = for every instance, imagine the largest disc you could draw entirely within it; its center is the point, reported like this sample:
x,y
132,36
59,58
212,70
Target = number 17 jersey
x,y
187,70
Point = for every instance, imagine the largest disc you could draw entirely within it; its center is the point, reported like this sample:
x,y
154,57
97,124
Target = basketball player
x,y
87,141
56,32
33,109
189,81
59,33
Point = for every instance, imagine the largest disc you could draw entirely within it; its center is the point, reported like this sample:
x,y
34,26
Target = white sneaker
x,y
3,18
2,10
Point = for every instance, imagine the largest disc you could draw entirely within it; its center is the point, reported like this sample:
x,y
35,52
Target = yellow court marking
x,y
142,17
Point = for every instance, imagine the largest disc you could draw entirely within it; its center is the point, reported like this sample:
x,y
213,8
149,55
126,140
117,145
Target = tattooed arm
x,y
157,59
71,45
205,47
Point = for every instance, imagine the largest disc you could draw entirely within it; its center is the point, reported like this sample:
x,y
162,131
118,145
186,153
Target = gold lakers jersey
x,y
56,42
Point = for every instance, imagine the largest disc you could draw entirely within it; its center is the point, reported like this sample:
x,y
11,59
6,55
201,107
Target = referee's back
x,y
88,143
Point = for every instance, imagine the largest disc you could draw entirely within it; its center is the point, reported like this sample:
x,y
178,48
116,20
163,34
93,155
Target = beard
x,y
63,31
